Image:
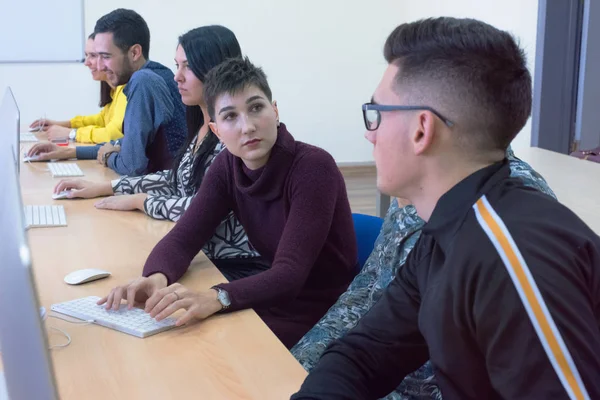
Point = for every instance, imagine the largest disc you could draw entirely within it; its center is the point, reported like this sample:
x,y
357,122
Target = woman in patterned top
x,y
166,195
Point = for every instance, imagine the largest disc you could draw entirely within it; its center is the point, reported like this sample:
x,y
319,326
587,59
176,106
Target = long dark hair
x,y
205,48
105,93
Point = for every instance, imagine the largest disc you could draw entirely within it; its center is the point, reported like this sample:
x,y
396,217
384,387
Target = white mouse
x,y
61,195
85,275
28,159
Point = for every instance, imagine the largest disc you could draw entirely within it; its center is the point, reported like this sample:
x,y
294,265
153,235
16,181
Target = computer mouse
x,y
85,275
61,195
31,158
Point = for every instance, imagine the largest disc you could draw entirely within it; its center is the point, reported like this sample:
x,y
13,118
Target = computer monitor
x,y
10,123
27,368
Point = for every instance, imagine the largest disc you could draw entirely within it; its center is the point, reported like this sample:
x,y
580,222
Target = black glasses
x,y
372,114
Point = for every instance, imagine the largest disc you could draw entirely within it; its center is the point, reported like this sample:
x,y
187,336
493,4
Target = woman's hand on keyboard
x,y
49,151
83,189
198,305
135,292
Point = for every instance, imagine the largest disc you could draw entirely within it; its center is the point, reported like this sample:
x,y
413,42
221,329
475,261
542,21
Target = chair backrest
x,y
367,229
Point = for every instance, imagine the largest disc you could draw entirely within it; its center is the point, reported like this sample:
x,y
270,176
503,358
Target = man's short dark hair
x,y
233,76
128,29
474,73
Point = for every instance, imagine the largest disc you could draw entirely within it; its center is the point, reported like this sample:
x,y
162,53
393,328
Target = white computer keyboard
x,y
134,322
28,137
45,216
60,170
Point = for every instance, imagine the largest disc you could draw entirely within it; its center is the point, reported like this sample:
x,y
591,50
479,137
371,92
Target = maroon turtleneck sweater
x,y
296,213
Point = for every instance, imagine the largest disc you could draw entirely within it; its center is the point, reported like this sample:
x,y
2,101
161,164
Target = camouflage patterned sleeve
x,y
520,169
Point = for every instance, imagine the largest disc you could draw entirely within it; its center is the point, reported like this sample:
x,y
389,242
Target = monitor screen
x,y
10,121
23,343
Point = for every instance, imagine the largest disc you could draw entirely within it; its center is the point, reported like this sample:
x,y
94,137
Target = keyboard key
x,y
62,218
28,216
48,211
36,216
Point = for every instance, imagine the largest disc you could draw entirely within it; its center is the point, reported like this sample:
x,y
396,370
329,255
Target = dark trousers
x,y
238,268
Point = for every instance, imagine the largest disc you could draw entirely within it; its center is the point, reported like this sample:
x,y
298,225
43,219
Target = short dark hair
x,y
476,74
233,76
128,29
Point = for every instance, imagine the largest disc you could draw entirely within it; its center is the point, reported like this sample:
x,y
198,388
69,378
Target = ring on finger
x,y
177,295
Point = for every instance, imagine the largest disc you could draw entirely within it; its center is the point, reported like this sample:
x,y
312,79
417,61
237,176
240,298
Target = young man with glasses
x,y
501,289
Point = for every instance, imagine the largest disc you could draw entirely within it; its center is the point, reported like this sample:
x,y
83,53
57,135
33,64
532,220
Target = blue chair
x,y
367,229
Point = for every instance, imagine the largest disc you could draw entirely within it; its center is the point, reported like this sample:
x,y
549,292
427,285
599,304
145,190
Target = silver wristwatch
x,y
73,134
223,298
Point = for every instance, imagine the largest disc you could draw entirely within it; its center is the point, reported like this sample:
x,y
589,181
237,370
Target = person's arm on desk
x,y
58,132
135,192
172,256
43,124
83,189
80,189
162,200
96,152
105,151
87,152
127,202
49,151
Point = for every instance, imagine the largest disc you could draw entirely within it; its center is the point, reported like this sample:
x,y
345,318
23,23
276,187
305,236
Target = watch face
x,y
223,297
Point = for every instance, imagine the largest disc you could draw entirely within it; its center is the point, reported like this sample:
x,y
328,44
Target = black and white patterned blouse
x,y
168,201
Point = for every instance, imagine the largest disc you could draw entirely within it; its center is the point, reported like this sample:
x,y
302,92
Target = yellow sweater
x,y
105,126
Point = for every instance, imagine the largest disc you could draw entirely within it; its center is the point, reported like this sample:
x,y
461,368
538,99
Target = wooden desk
x,y
232,356
574,181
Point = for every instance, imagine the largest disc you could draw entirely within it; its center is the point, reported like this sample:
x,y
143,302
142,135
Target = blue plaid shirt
x,y
153,103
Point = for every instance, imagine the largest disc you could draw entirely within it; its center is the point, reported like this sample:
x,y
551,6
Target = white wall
x,y
323,58
516,16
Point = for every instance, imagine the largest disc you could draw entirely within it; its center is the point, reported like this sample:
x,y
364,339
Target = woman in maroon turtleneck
x,y
291,200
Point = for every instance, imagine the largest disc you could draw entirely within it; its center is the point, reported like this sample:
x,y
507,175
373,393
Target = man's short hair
x,y
231,77
128,29
474,74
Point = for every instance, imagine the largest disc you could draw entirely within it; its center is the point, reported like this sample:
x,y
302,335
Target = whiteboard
x,y
41,31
